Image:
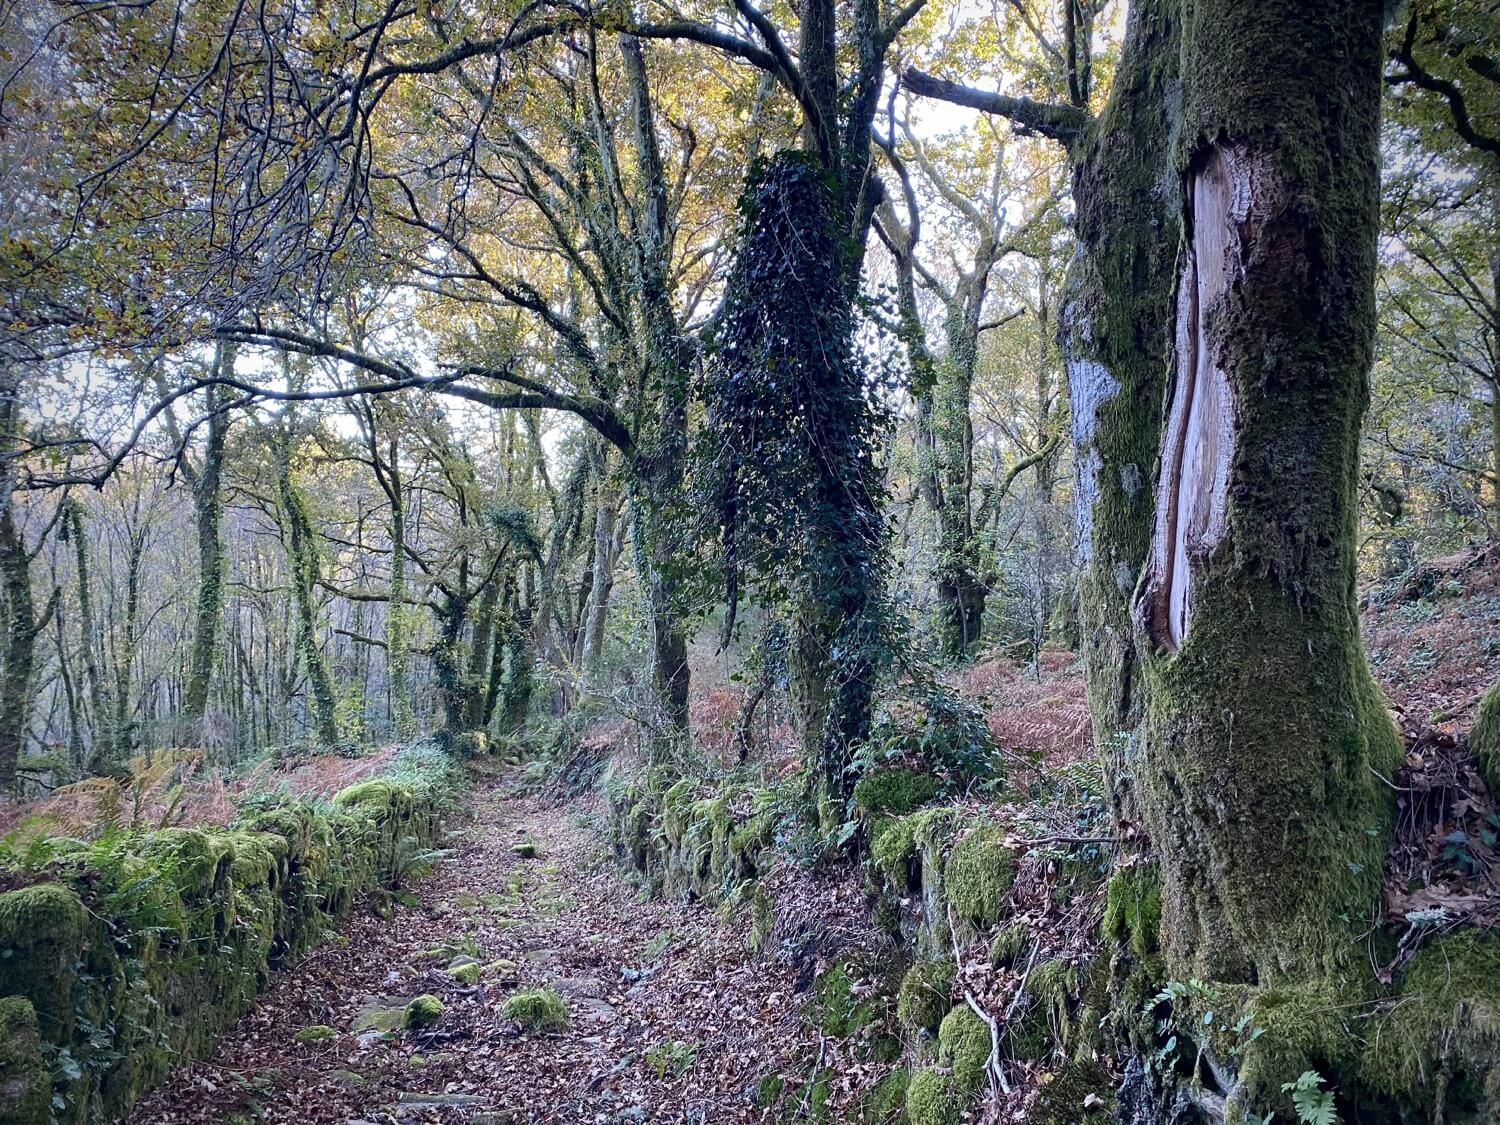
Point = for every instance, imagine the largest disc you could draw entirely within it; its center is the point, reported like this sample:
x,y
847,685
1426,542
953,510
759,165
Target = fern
x,y
1313,1105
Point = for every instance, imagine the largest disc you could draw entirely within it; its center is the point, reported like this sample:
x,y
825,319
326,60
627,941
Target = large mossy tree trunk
x,y
1266,738
1114,332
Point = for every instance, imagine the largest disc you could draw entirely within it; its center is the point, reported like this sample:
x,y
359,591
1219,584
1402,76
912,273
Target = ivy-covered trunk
x,y
796,437
961,589
1266,738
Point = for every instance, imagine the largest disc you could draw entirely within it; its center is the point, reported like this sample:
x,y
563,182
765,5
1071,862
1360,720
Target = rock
x,y
413,1097
317,1033
423,1011
466,974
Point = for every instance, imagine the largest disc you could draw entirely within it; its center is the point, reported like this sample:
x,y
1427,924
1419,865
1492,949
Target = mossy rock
x,y
1484,738
377,795
317,1033
842,1009
25,1080
979,875
41,943
526,848
1444,1027
194,861
932,1099
886,1100
895,791
423,1011
468,973
538,1009
1080,1093
964,1045
896,841
925,995
768,1090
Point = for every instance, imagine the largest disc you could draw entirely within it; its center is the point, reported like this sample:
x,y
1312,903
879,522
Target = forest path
x,y
636,974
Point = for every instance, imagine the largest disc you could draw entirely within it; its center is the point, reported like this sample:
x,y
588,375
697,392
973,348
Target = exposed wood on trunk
x,y
1192,490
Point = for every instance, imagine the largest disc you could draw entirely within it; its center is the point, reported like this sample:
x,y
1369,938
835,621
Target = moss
x,y
895,791
931,1099
755,833
1132,910
317,1033
925,995
1009,944
423,1011
1443,1030
674,806
1080,1092
895,841
25,1081
467,973
846,1006
192,859
378,794
768,1090
538,1009
525,849
762,920
41,938
1484,738
885,1102
964,1044
979,874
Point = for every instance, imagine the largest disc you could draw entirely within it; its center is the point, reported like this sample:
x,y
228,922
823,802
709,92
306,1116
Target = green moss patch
x,y
964,1045
538,1009
423,1011
979,874
932,1099
895,791
925,995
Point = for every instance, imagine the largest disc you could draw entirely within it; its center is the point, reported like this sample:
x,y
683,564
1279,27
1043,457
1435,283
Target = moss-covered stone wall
x,y
122,957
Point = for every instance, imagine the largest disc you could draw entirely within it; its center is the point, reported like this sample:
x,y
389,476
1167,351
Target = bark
x,y
101,749
1265,732
1114,334
18,646
602,577
305,569
208,514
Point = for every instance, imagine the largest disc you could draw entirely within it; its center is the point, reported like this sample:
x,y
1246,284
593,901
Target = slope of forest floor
x,y
646,982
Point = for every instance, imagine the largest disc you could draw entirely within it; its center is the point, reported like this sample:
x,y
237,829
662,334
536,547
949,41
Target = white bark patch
x,y
1192,502
1090,386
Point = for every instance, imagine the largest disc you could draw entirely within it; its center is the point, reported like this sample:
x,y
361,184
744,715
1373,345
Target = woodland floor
x,y
636,973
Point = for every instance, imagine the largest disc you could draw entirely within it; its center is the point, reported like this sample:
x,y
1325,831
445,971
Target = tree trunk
x,y
208,513
1113,331
101,747
1265,732
19,645
305,567
602,574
